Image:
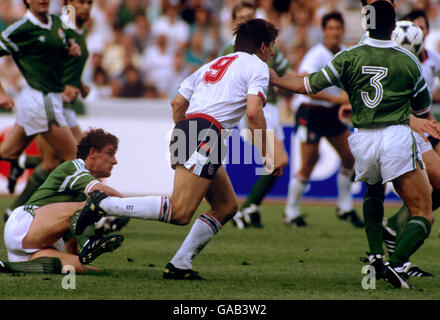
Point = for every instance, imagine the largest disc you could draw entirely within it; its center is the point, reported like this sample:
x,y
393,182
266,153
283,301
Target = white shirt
x,y
220,88
314,60
158,67
431,68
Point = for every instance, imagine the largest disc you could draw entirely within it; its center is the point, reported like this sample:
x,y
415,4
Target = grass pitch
x,y
320,261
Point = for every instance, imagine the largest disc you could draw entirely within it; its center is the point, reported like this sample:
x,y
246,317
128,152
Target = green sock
x,y
88,232
416,230
35,181
399,220
263,185
31,162
73,221
373,215
38,265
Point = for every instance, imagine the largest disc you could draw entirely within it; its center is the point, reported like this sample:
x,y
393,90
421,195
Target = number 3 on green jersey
x,y
379,73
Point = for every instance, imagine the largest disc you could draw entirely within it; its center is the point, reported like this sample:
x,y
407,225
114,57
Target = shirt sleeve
x,y
280,63
82,182
258,81
186,88
421,98
328,76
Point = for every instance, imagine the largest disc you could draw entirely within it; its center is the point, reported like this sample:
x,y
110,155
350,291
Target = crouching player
x,y
35,233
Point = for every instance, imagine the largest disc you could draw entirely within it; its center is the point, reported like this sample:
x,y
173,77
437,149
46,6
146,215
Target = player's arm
x,y
291,83
5,101
179,105
107,189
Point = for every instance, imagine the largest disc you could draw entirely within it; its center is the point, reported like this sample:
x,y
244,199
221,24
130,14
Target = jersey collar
x,y
32,18
380,43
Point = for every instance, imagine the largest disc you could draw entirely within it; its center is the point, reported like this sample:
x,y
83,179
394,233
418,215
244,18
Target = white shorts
x,y
272,121
383,153
16,229
70,116
423,145
36,110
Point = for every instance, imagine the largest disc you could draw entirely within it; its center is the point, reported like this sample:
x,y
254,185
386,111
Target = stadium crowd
x,y
145,48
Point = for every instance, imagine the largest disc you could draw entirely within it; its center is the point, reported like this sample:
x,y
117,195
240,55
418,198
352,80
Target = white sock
x,y
22,161
203,230
296,189
148,208
345,199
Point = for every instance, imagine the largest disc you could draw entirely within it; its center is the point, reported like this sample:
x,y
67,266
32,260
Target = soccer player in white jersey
x,y
213,98
317,117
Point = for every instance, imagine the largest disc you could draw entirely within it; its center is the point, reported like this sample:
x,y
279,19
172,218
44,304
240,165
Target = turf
x,y
320,261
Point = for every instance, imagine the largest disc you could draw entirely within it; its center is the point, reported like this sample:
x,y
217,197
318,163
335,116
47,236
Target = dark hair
x,y
95,138
26,4
385,20
240,6
415,14
364,2
252,33
332,15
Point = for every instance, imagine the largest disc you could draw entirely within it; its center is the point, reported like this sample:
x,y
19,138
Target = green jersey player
x,y
384,83
71,78
36,229
39,46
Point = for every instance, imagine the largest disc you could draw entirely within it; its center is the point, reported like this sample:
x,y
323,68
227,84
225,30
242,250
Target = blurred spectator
x,y
128,11
170,24
7,16
266,10
100,88
302,31
132,86
157,65
139,29
179,73
120,53
195,55
205,23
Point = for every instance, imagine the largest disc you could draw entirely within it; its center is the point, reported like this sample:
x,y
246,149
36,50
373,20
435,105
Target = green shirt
x,y
382,80
38,50
69,182
73,68
278,62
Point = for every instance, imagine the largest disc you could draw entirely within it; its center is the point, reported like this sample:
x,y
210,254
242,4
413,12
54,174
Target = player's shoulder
x,y
72,166
20,25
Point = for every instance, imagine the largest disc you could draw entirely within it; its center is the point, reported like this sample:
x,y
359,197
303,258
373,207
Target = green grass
x,y
274,263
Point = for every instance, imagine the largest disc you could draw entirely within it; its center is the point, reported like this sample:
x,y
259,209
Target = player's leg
x,y
15,142
49,224
189,190
49,162
415,190
297,185
76,132
224,204
250,209
345,208
61,139
373,211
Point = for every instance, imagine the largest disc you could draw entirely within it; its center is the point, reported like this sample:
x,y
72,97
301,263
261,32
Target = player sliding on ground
x,y
213,98
35,233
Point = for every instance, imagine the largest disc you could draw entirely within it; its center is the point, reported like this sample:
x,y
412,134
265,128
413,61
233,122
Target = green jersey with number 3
x,y
384,82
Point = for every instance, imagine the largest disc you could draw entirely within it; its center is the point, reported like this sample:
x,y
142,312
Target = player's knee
x,y
181,215
376,191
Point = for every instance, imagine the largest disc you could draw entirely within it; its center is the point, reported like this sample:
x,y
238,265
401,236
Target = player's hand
x,y
272,76
70,93
342,98
344,112
74,49
85,90
422,126
6,102
273,167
